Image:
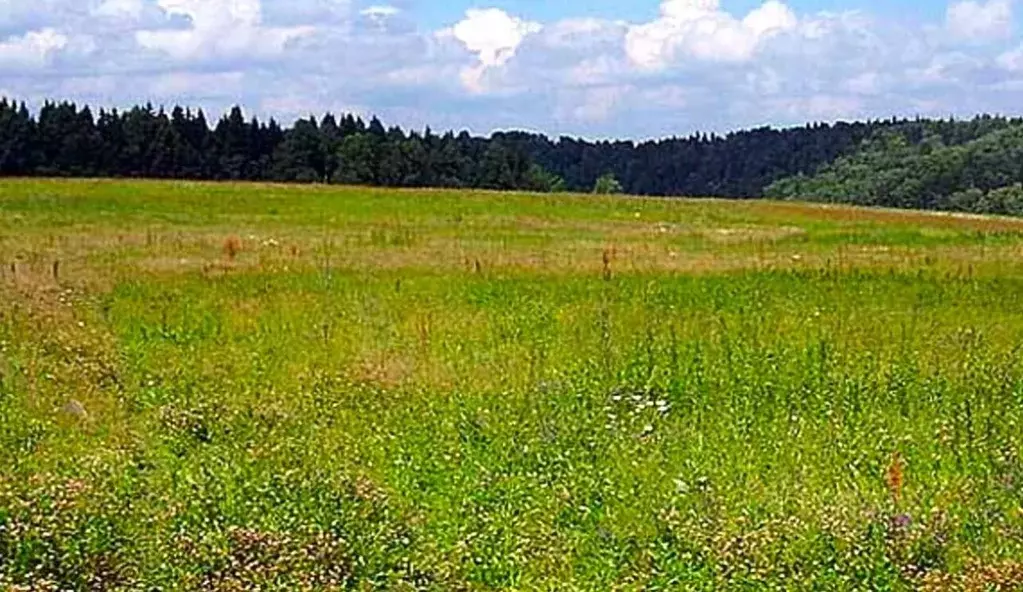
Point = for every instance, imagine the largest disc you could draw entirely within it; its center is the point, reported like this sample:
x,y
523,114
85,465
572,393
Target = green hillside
x,y
983,175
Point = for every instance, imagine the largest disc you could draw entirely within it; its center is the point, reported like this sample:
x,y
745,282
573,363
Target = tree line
x,y
973,166
64,140
920,163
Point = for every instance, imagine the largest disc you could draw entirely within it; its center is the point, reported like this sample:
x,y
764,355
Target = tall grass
x,y
347,413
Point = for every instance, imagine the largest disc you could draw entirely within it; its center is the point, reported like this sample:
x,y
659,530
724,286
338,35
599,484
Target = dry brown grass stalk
x,y
895,477
232,247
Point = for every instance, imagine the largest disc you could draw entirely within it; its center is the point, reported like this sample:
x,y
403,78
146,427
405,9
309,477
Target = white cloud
x,y
119,9
219,28
979,21
699,29
32,50
494,36
770,18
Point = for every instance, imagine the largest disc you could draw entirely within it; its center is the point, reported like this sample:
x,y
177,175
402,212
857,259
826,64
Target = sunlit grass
x,y
312,388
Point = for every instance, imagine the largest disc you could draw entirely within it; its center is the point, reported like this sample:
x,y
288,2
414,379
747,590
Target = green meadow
x,y
258,387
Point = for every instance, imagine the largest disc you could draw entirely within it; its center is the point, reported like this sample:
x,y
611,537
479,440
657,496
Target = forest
x,y
973,167
969,165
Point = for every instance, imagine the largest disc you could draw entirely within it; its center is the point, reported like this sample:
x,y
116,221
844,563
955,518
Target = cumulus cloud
x,y
700,29
493,36
219,28
32,50
979,21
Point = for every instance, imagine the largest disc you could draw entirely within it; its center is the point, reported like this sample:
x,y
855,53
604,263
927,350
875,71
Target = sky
x,y
592,68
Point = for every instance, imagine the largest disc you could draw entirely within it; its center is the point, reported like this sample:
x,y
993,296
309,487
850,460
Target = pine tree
x,y
17,131
331,137
301,156
355,160
232,138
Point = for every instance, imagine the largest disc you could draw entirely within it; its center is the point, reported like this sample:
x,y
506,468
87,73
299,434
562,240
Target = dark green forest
x,y
973,165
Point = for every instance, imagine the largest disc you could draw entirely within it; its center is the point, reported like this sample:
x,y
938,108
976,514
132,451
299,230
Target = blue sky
x,y
599,68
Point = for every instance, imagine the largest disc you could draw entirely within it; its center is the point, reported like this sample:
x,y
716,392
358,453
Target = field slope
x,y
232,387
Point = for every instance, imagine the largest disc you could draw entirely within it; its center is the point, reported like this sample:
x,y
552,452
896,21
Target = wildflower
x,y
901,521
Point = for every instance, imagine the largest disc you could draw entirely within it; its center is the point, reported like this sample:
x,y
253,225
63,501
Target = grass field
x,y
235,387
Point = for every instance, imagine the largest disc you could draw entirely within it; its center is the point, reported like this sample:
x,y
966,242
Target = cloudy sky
x,y
596,68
